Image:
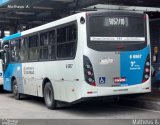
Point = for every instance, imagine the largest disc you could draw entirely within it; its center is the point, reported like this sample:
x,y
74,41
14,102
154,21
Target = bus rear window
x,y
109,31
116,28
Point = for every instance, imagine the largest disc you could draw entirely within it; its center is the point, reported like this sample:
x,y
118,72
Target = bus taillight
x,y
146,70
88,71
146,73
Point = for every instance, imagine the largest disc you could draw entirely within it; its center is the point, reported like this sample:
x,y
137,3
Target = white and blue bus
x,y
85,55
1,69
1,63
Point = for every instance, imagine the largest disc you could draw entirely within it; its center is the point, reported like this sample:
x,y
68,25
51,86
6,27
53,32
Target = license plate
x,y
119,80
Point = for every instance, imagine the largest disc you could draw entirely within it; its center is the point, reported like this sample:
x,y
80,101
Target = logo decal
x,y
134,61
102,80
107,61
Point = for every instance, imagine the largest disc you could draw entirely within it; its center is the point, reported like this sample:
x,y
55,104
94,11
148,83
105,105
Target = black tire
x,y
1,88
49,96
15,90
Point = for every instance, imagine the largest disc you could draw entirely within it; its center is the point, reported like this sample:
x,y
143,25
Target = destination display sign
x,y
116,21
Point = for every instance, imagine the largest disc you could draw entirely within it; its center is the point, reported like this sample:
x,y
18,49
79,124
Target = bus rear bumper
x,y
94,91
88,92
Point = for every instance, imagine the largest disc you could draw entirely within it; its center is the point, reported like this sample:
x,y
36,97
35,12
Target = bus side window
x,y
44,46
5,54
15,50
33,48
51,47
24,49
18,50
71,33
66,46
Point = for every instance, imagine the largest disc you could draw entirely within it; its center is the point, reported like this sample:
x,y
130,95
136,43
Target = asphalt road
x,y
34,108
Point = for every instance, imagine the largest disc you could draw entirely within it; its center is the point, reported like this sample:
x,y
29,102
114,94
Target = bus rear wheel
x,y
15,90
49,96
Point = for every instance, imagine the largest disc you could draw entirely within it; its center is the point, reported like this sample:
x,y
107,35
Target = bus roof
x,y
42,27
56,23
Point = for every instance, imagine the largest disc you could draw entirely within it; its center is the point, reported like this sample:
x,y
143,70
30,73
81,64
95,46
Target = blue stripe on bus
x,y
132,66
12,36
12,70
